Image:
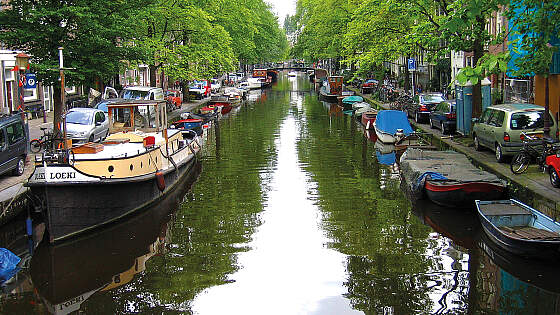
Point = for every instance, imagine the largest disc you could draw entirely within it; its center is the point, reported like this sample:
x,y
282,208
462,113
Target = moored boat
x,y
391,126
448,178
368,118
194,124
85,187
349,101
520,229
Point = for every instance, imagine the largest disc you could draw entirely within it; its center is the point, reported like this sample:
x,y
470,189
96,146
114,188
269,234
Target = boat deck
x,y
530,233
503,209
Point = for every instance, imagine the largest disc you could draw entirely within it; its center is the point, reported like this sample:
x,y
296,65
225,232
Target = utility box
x,y
463,98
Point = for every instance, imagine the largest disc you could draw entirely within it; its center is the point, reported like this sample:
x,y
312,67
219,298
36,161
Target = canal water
x,y
291,209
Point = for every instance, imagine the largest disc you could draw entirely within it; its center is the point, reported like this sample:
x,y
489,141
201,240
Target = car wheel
x,y
499,153
477,146
554,179
20,167
90,138
442,128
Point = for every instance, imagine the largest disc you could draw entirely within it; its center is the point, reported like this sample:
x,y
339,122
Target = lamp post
x,y
22,62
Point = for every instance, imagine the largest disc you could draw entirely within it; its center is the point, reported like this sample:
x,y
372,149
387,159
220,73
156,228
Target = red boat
x,y
221,102
448,178
368,118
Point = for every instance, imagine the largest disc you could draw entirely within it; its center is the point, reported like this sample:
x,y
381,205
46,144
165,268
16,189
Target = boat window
x,y
432,98
528,120
497,118
122,116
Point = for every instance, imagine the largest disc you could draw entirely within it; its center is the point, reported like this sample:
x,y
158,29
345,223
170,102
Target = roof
x,y
141,88
84,109
517,107
10,118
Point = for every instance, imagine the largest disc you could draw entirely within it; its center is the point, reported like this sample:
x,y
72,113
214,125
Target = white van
x,y
143,93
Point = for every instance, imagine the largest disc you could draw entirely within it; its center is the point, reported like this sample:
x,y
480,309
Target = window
x,y
497,118
30,94
528,120
485,116
99,117
15,132
70,89
2,140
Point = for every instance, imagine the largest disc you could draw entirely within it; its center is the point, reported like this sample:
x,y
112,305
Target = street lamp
x,y
22,62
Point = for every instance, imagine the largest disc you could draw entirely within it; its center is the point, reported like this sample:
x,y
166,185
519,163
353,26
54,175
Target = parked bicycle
x,y
533,149
46,142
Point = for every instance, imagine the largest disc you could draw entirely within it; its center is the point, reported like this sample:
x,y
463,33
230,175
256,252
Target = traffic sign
x,y
30,81
411,64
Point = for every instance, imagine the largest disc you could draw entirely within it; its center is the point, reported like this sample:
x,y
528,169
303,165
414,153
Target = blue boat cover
x,y
386,159
352,99
8,264
389,121
433,175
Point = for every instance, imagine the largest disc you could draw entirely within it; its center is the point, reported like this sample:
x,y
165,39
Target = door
x,y
4,158
16,144
495,128
100,127
482,127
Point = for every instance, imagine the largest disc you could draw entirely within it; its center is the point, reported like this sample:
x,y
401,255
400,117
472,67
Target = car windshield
x,y
170,93
80,118
134,94
432,98
528,120
196,86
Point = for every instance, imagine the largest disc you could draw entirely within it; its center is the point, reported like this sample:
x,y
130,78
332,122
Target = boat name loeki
x,y
96,183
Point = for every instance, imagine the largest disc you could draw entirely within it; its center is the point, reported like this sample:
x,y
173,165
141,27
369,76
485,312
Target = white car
x,y
86,125
216,85
142,93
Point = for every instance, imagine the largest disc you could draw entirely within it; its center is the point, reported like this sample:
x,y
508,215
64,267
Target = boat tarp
x,y
389,121
352,99
454,166
8,264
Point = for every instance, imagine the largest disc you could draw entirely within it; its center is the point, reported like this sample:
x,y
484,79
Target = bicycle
x,y
520,161
46,142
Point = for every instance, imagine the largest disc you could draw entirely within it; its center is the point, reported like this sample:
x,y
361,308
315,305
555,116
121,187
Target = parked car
x,y
215,85
13,145
200,89
174,97
422,105
369,85
86,125
499,127
142,93
444,117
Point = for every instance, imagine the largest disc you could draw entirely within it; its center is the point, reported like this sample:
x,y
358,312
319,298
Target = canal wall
x,y
532,187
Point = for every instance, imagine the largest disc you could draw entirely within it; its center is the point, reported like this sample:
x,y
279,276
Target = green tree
x,y
96,36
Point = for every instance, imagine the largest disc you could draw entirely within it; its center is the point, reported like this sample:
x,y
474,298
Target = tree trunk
x,y
478,52
546,128
406,76
153,70
57,123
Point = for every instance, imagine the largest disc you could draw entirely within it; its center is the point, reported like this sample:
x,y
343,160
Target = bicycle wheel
x,y
519,163
35,146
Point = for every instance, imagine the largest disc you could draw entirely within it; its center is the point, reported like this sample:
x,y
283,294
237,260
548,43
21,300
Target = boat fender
x,y
160,181
367,125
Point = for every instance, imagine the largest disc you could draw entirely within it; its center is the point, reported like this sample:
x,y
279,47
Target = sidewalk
x,y
11,186
532,187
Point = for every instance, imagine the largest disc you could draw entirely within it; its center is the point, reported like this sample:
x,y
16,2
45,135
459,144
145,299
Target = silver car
x,y
86,125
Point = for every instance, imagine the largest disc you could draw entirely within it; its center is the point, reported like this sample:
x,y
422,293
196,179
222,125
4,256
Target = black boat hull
x,y
75,208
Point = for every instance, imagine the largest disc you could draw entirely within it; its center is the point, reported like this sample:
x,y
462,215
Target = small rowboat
x,y
520,229
209,109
